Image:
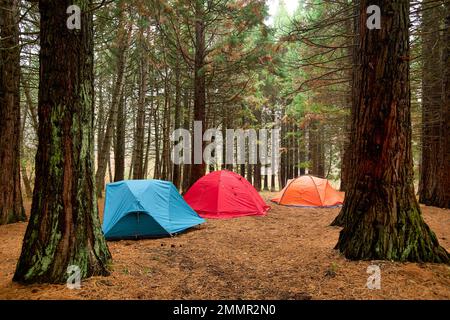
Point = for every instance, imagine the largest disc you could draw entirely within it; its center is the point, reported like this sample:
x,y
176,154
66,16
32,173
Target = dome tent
x,y
145,208
225,194
309,191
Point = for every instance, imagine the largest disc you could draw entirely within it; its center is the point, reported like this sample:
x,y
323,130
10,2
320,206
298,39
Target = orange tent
x,y
309,191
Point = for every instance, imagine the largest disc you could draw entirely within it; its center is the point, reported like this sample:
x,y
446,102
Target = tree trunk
x,y
431,102
296,159
105,148
157,169
165,152
383,218
11,207
443,189
289,172
198,170
275,151
100,116
64,227
138,165
316,149
119,144
302,152
176,177
34,121
352,27
149,136
283,156
345,161
186,121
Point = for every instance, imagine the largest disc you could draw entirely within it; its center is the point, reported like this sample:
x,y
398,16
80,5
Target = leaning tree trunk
x,y
384,220
431,102
64,227
11,208
443,191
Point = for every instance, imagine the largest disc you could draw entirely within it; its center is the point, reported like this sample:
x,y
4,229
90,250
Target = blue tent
x,y
145,208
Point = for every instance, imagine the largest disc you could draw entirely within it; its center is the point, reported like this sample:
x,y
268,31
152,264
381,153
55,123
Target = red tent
x,y
225,194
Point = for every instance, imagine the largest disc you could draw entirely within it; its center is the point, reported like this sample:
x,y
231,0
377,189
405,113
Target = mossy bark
x,y
381,216
11,207
64,227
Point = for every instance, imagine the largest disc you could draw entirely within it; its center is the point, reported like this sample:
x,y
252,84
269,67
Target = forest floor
x,y
287,254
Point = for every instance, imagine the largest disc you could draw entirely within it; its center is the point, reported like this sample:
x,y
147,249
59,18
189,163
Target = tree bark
x,y
431,102
24,164
138,165
64,227
283,155
352,27
105,148
149,135
383,217
11,207
157,169
198,170
443,186
316,149
176,177
186,122
119,143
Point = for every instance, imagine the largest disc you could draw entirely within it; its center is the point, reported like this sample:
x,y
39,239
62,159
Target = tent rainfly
x,y
225,194
145,208
309,191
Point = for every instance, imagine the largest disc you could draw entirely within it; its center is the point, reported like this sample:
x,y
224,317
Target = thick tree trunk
x,y
443,189
64,227
431,102
383,218
11,208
